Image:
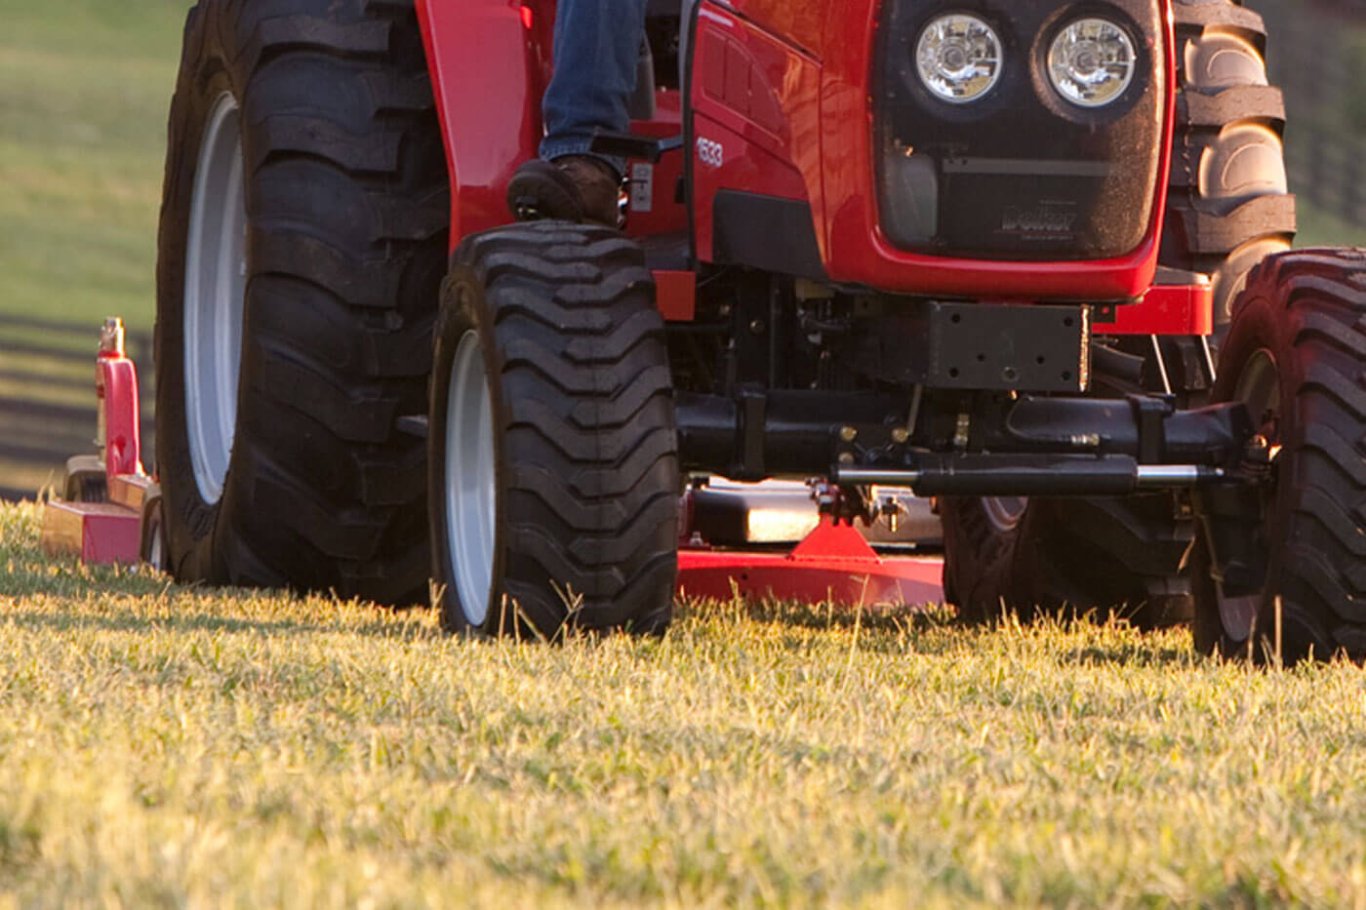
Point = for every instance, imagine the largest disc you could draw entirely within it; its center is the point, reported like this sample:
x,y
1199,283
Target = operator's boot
x,y
577,188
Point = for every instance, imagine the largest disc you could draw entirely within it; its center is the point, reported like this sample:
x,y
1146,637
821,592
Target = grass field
x,y
169,747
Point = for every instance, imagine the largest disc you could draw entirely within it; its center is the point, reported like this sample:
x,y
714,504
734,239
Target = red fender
x,y
494,45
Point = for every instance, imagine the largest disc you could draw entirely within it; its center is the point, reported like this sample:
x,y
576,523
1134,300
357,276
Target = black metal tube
x,y
1044,446
1031,475
773,433
1004,475
1112,426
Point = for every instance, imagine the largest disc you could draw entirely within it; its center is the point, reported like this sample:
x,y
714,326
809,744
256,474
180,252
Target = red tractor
x,y
1026,257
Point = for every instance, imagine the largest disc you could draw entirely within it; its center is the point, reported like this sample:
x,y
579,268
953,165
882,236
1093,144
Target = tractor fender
x,y
484,58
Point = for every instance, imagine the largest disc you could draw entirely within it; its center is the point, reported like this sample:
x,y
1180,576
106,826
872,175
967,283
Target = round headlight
x,y
959,58
1092,62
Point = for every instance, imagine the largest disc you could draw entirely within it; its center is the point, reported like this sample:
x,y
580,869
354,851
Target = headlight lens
x,y
1092,62
959,58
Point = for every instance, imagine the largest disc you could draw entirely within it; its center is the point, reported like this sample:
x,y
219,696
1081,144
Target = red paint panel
x,y
801,24
116,386
1166,310
676,295
756,111
856,250
839,41
834,564
98,533
745,167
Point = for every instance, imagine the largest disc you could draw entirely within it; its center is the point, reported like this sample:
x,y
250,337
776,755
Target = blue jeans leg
x,y
597,46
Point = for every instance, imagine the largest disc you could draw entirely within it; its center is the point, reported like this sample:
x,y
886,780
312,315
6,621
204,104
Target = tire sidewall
x,y
982,559
465,309
1260,323
208,72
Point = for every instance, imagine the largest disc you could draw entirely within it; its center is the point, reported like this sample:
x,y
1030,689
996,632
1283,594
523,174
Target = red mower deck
x,y
834,563
108,526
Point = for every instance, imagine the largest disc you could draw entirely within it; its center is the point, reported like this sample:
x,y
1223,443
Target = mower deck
x,y
834,563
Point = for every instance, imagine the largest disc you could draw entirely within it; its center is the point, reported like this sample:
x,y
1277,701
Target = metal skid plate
x,y
981,346
725,513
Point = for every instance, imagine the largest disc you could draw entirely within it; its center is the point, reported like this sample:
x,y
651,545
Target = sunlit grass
x,y
170,746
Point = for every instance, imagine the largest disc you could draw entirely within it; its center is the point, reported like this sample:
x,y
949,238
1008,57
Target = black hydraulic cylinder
x,y
1030,475
1038,446
1130,427
772,433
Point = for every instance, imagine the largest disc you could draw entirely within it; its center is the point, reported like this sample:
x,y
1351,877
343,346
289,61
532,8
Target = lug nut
x,y
848,434
846,458
900,435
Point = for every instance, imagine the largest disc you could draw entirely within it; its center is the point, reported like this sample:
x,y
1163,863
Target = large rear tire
x,y
303,240
554,470
1295,354
1228,205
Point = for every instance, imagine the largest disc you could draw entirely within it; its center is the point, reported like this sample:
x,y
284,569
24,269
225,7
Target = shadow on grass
x,y
1142,653
63,595
123,621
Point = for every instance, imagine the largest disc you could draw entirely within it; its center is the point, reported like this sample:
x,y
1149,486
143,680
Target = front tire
x,y
1295,354
554,471
1046,556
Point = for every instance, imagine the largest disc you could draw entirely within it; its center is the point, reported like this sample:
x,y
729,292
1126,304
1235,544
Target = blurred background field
x,y
84,89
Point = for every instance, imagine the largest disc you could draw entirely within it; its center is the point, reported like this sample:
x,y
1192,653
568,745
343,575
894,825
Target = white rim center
x,y
471,480
215,291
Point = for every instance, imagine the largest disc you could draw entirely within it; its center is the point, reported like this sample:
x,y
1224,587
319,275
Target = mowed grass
x,y
170,747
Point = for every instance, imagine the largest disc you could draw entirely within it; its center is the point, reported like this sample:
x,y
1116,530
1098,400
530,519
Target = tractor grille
x,y
1020,174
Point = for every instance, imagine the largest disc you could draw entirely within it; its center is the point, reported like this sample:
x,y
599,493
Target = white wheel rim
x,y
1005,512
215,291
471,480
1259,387
156,549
